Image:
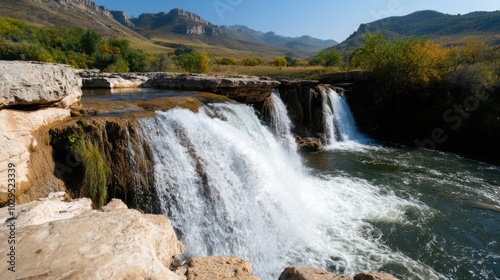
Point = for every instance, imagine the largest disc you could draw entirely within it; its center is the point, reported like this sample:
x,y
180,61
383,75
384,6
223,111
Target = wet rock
x,y
309,273
36,85
205,268
374,276
309,144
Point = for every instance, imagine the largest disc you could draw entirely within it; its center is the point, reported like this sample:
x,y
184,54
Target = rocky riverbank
x,y
63,236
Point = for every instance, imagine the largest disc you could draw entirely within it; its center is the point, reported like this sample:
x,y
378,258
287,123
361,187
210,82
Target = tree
x,y
404,62
279,61
327,58
161,63
195,62
90,42
291,61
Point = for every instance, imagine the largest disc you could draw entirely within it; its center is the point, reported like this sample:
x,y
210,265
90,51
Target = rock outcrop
x,y
18,145
67,240
374,276
247,89
204,268
95,79
35,85
310,273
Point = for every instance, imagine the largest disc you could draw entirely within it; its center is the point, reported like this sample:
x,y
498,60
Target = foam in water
x,y
231,188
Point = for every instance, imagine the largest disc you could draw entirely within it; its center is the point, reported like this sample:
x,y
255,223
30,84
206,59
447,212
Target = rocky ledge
x,y
247,89
35,85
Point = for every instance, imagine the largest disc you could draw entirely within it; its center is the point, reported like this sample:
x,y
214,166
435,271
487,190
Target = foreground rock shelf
x,y
64,238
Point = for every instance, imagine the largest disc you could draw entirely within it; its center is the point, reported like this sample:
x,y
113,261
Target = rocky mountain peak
x,y
87,6
188,15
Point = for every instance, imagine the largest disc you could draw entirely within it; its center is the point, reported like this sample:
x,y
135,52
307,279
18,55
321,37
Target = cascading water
x,y
279,121
230,187
340,126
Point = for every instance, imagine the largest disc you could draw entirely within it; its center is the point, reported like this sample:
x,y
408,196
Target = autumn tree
x,y
279,61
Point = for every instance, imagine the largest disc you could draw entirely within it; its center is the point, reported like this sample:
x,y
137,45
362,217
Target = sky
x,y
324,19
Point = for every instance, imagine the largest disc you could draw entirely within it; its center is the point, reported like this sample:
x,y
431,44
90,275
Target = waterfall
x,y
340,126
328,117
279,121
231,188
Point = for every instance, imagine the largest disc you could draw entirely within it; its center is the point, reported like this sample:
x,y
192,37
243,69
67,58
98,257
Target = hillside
x,y
445,28
163,31
182,27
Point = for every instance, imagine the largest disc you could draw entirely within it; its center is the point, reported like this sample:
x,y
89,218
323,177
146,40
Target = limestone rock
x,y
309,273
220,268
374,276
245,89
17,143
94,79
34,84
116,244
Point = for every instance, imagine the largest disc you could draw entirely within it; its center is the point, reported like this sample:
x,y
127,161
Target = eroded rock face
x,y
35,85
205,268
74,242
17,145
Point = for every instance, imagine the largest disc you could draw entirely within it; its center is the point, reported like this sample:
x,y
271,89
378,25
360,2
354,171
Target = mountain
x,y
445,28
68,13
180,25
163,31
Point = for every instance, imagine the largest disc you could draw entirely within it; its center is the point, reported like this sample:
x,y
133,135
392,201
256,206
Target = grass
x,y
96,172
300,72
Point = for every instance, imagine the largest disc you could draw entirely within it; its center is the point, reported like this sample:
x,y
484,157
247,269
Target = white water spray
x,y
231,188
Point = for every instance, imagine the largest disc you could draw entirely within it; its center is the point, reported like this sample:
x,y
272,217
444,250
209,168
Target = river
x,y
233,186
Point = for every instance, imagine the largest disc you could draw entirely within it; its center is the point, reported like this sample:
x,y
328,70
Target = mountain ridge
x,y
449,29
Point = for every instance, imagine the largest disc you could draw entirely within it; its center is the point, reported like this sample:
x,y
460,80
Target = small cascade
x,y
231,188
279,121
340,126
328,117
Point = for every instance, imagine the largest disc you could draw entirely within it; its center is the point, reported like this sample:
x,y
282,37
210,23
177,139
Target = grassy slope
x,y
444,28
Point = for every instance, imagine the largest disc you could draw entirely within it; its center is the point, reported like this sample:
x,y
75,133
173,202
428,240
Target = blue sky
x,y
325,19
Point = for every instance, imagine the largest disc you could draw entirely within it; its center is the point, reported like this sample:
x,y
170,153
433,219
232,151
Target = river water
x,y
233,186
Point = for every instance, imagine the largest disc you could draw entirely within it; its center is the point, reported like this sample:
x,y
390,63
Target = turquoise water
x,y
458,233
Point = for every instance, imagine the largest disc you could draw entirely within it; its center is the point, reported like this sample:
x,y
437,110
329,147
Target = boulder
x,y
67,240
309,145
34,85
17,144
374,276
309,273
220,268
